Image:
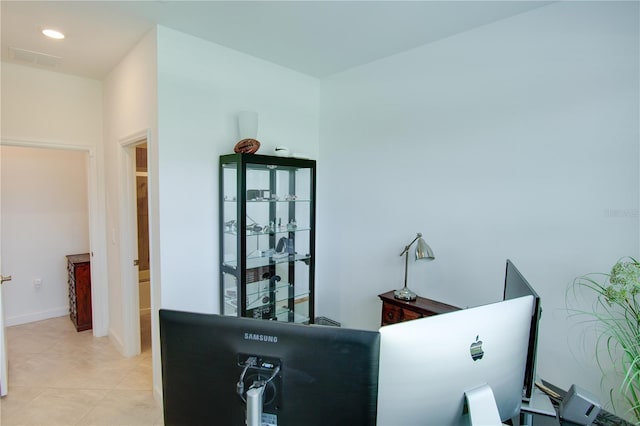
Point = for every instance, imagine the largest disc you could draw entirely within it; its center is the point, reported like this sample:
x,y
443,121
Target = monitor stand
x,y
481,406
539,403
254,406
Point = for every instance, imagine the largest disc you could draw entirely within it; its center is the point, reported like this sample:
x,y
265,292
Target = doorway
x,y
47,199
135,244
45,217
144,276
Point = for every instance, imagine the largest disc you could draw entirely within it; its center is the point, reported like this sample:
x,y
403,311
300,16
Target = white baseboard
x,y
157,393
36,316
117,341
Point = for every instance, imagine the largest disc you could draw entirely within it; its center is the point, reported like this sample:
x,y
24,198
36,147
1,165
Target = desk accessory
x,y
579,406
281,151
423,251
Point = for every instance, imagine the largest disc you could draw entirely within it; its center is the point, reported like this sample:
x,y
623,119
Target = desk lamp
x,y
423,251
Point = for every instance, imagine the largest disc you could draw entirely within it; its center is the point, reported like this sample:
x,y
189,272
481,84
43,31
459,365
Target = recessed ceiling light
x,y
53,33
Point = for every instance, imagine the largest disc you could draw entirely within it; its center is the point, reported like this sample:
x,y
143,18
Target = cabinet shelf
x,y
260,299
279,232
261,261
256,297
271,201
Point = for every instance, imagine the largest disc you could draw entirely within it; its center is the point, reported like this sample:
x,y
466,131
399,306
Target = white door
x,y
3,344
4,363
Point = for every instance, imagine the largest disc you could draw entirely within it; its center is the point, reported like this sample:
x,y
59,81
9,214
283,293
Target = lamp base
x,y
405,294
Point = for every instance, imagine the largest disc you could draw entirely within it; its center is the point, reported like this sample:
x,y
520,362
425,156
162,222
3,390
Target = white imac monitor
x,y
463,367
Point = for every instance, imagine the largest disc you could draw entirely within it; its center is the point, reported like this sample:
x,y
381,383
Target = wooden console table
x,y
396,310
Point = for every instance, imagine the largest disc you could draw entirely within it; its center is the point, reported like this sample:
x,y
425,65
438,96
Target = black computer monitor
x,y
515,285
317,375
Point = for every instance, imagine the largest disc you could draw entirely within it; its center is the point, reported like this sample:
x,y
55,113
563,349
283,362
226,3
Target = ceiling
x,y
317,38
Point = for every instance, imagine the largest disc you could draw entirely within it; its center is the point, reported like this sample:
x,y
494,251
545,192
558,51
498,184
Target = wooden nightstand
x,y
395,310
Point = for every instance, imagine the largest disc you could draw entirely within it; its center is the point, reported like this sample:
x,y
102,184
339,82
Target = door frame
x,y
4,353
97,236
129,241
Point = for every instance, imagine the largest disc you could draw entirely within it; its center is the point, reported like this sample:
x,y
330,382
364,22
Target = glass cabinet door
x,y
267,237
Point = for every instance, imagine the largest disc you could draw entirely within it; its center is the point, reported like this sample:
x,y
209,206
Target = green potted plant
x,y
616,317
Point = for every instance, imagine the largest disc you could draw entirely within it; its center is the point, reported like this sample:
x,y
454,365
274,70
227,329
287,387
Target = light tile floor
x,y
58,376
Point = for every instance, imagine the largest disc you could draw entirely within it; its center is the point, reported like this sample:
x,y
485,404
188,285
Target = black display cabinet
x,y
267,237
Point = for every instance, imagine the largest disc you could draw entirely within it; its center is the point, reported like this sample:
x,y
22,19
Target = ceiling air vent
x,y
34,58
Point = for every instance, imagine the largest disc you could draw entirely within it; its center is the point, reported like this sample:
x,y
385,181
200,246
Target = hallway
x,y
58,376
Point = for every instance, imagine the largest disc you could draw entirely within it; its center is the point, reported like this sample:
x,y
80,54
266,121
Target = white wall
x,y
130,109
201,88
39,105
515,140
44,109
44,218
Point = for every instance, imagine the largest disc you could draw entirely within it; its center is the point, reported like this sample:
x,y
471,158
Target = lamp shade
x,y
423,251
